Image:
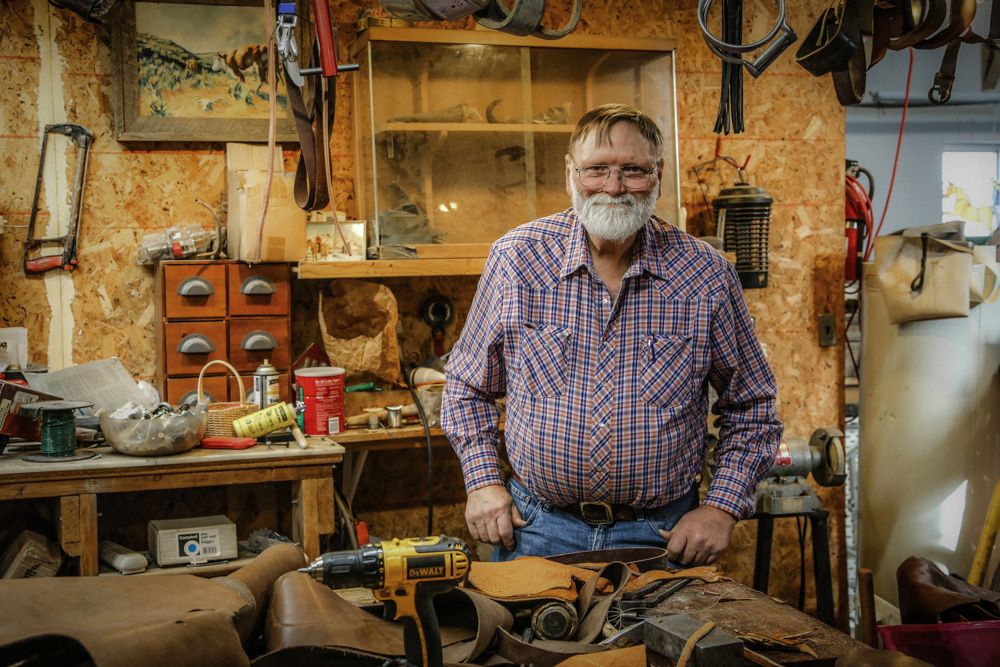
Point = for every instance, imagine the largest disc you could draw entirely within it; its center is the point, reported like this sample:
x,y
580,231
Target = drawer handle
x,y
259,340
258,285
195,344
195,286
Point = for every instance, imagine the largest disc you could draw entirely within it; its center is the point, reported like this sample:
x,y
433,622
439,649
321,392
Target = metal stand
x,y
821,557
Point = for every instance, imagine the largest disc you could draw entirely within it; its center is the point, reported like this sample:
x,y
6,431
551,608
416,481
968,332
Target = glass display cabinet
x,y
461,134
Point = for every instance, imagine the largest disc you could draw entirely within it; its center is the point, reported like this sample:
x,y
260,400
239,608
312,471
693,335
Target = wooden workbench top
x,y
740,609
320,450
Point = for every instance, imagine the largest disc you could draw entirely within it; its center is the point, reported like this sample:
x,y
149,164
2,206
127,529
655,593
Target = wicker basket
x,y
222,415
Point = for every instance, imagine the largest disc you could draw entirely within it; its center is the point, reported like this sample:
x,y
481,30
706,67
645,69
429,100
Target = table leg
x,y
305,515
89,559
353,468
762,559
821,566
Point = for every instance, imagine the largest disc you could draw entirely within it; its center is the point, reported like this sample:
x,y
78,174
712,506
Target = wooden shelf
x,y
478,127
392,268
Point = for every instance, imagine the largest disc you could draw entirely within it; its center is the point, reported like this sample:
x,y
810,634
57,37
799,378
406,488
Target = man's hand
x,y
492,516
700,537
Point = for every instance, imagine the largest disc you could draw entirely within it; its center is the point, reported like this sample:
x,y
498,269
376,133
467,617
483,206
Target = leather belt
x,y
596,513
311,110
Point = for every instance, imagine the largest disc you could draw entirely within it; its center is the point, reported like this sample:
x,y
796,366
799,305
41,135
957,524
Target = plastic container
x,y
174,243
972,644
159,436
323,396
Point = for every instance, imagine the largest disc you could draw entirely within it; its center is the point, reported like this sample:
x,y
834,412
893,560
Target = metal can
x,y
265,385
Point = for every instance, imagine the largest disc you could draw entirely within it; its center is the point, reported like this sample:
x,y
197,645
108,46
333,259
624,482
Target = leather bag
x,y
924,277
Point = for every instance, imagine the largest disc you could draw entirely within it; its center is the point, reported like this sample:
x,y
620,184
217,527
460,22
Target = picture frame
x,y
185,71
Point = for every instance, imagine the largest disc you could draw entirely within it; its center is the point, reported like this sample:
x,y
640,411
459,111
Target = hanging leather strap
x,y
311,104
960,18
931,19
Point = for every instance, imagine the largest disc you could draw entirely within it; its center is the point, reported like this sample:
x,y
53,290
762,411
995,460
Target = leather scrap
x,y
541,653
527,578
706,573
928,595
633,656
126,621
304,612
871,657
643,558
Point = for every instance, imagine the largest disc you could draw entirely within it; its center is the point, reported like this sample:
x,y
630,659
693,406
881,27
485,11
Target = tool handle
x,y
43,264
324,36
422,635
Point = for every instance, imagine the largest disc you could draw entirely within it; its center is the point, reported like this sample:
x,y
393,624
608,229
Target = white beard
x,y
613,218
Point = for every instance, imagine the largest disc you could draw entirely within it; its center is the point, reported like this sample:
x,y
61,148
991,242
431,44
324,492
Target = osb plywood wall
x,y
57,68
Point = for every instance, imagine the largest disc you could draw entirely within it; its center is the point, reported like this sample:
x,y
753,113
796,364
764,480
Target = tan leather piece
x,y
706,573
527,578
256,580
303,612
870,657
150,621
633,656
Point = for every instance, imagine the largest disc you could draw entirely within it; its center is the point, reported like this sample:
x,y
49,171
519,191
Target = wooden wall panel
x,y
795,135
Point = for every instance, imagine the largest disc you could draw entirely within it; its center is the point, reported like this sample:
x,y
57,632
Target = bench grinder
x,y
784,489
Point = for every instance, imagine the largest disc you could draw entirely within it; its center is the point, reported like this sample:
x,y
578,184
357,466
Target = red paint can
x,y
323,396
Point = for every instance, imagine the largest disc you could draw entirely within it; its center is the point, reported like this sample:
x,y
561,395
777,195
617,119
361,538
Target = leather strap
x,y
522,19
931,19
940,91
316,99
849,83
960,18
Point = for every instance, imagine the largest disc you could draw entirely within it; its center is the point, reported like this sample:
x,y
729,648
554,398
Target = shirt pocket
x,y
666,377
543,359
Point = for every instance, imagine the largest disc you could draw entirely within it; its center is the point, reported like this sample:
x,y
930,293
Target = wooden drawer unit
x,y
261,289
254,339
225,310
194,290
189,345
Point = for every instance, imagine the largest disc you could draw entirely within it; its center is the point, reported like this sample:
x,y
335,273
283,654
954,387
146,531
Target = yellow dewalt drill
x,y
405,575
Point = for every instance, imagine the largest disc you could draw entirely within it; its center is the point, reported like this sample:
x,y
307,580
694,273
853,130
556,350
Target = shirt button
x,y
605,300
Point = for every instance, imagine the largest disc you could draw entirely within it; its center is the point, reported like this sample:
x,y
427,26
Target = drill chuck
x,y
347,569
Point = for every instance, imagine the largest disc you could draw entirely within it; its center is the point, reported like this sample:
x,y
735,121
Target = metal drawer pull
x,y
195,344
258,285
195,286
259,340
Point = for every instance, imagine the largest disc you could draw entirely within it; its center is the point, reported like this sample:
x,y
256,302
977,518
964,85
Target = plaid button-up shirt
x,y
607,400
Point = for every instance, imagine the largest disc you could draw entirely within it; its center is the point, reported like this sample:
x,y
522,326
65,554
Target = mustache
x,y
604,198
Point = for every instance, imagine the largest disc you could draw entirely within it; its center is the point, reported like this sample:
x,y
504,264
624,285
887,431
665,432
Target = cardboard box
x,y
13,422
284,238
193,540
30,555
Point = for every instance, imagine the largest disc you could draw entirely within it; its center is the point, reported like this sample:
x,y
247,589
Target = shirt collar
x,y
651,246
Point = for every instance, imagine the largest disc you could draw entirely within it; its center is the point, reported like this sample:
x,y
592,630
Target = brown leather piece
x,y
707,573
527,578
644,558
542,653
633,656
304,612
928,595
150,621
255,580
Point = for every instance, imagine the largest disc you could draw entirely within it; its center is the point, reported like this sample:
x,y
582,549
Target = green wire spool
x,y
58,429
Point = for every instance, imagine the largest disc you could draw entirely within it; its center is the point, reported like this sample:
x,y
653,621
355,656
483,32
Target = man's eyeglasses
x,y
632,177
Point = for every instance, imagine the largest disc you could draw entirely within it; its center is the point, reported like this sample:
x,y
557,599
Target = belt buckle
x,y
596,513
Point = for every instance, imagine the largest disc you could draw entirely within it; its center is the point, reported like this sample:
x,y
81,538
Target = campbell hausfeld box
x,y
13,422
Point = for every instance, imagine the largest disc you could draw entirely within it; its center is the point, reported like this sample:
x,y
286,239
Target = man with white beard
x,y
603,326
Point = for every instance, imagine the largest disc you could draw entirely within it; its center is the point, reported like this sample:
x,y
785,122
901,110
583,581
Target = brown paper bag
x,y
358,323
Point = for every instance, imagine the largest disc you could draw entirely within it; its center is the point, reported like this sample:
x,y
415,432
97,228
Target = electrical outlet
x,y
827,330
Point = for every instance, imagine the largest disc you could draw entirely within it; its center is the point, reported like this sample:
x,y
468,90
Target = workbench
x,y
77,485
740,609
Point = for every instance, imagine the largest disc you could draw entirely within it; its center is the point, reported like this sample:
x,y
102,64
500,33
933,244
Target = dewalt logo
x,y
425,567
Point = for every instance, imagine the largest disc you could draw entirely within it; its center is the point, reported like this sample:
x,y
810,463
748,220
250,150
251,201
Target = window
x,y
970,188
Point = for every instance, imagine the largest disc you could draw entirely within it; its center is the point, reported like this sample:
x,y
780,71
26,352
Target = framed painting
x,y
196,70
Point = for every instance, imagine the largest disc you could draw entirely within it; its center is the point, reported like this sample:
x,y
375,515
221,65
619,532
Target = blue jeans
x,y
551,530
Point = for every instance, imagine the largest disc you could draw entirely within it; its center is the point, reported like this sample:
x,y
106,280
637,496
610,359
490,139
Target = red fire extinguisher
x,y
859,218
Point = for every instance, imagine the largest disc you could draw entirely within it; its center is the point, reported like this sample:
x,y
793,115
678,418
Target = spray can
x,y
265,385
